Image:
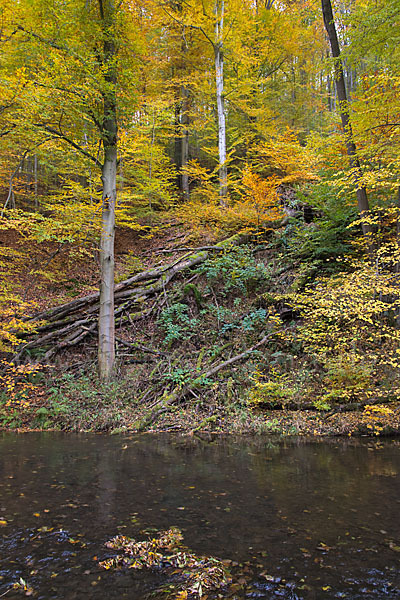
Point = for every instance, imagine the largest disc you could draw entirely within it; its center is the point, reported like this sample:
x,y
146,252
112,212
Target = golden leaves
x,y
196,573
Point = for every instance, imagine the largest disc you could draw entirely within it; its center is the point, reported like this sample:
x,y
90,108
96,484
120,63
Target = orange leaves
x,y
254,202
262,193
255,207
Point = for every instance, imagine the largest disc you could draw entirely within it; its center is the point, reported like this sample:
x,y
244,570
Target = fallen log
x,y
67,325
169,399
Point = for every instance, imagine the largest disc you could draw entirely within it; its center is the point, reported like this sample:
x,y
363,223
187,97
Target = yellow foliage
x,y
16,384
373,417
377,409
349,327
284,156
277,389
256,208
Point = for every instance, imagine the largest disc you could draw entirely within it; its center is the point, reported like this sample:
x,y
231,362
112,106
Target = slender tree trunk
x,y
181,150
106,350
36,182
185,142
219,80
362,198
177,138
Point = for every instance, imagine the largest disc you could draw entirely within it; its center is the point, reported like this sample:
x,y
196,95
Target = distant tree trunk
x,y
219,80
181,150
185,120
36,182
177,137
106,350
362,198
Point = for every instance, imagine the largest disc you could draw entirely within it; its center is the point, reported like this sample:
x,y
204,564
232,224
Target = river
x,y
305,519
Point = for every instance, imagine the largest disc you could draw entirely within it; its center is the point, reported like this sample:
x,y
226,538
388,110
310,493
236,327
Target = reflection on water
x,y
313,520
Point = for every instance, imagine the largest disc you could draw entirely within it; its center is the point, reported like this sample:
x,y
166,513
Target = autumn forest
x,y
200,215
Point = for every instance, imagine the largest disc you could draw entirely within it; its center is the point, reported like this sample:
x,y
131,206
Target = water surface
x,y
308,520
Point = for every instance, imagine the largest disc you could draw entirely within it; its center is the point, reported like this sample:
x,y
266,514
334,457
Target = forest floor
x,y
195,326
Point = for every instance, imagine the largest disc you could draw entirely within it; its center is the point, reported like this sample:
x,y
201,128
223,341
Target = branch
x,y
178,393
200,248
236,358
43,40
189,25
383,125
6,131
10,189
62,136
139,347
73,93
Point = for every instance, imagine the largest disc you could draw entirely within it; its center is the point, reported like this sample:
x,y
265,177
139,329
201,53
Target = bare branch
x,y
190,26
60,135
10,189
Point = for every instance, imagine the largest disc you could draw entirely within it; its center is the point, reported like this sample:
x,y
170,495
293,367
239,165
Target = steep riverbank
x,y
268,333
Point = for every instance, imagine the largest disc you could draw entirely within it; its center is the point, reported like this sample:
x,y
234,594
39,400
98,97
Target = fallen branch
x,y
167,400
139,347
186,249
356,406
69,324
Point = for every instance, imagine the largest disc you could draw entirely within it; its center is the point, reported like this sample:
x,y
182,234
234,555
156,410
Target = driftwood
x,y
70,324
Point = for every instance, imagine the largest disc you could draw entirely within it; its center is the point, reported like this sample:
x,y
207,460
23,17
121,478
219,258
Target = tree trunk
x,y
219,80
361,191
177,138
185,142
106,351
106,324
35,171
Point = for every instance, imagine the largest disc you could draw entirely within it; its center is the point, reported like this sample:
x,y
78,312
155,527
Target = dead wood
x,y
67,325
168,399
353,406
139,347
186,249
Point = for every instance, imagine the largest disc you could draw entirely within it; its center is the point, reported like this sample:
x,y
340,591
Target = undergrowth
x,y
332,319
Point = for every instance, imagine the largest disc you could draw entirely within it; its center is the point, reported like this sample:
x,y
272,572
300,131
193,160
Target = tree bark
x,y
219,80
361,192
185,142
177,138
106,323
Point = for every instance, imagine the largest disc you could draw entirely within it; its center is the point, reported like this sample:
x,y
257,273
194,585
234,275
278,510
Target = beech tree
x,y
73,71
108,130
362,198
210,23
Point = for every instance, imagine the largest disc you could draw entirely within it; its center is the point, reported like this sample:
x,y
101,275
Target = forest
x,y
200,216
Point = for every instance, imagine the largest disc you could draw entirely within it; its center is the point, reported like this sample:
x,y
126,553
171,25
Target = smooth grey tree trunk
x,y
219,80
106,349
362,198
177,137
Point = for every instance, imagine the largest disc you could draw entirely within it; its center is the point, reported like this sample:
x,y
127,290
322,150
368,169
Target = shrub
x,y
177,324
277,390
237,269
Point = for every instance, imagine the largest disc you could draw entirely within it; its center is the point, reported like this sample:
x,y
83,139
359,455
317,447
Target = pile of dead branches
x,y
136,298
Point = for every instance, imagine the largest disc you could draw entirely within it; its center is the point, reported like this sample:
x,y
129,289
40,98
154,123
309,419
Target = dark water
x,y
311,520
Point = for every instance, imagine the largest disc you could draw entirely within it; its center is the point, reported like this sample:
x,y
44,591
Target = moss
x,y
190,288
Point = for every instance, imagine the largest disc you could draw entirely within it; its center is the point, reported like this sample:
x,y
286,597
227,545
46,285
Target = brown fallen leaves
x,y
193,574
